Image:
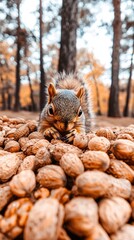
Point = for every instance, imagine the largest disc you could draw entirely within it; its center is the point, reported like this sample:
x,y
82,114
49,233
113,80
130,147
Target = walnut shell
x,y
99,144
95,160
125,136
41,193
27,148
123,149
5,195
124,233
51,177
40,143
80,141
12,146
27,164
36,134
9,165
61,194
42,157
119,214
10,133
47,223
23,183
32,125
23,131
120,169
71,164
58,149
81,215
97,184
2,139
98,233
22,141
106,132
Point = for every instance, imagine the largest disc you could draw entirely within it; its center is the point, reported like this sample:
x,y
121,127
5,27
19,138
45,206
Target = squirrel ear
x,y
51,91
80,92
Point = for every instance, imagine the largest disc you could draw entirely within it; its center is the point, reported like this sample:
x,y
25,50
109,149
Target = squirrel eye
x,y
50,110
79,113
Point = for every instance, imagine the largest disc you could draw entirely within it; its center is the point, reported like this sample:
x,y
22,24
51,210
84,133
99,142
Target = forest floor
x,y
100,121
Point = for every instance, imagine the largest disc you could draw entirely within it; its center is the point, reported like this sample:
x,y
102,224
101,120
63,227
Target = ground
x,y
101,121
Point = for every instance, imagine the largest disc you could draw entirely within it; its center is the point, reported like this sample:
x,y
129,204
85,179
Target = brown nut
x,y
80,141
39,143
51,177
106,132
120,169
58,149
81,215
114,213
98,233
5,195
41,193
12,146
48,221
23,183
124,233
42,157
32,125
23,131
28,163
9,165
36,134
6,224
125,136
71,164
95,160
27,148
99,144
61,194
123,149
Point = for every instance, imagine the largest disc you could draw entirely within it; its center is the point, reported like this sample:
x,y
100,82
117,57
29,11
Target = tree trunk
x,y
3,95
18,57
126,108
42,72
113,110
67,56
34,108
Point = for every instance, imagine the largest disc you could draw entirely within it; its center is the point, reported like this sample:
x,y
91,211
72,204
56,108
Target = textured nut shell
x,y
71,164
10,133
27,148
124,233
9,165
106,132
23,183
57,150
125,136
23,131
114,213
42,157
27,164
2,139
12,146
98,233
41,193
120,169
39,143
95,160
80,140
22,141
61,194
36,134
51,177
47,223
123,149
99,144
32,125
81,215
5,195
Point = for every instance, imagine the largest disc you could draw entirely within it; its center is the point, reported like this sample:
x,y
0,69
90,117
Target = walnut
x,y
28,163
114,213
120,169
42,157
40,143
23,183
106,132
48,221
99,144
23,131
36,134
51,177
27,148
81,141
123,149
95,160
10,133
41,193
98,233
71,164
5,195
12,146
32,125
125,136
22,141
9,165
81,215
58,149
124,233
97,184
61,194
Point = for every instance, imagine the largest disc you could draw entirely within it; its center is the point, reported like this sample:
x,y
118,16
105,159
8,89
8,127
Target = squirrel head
x,y
64,107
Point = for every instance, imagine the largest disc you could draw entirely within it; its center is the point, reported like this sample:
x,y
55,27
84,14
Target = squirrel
x,y
68,110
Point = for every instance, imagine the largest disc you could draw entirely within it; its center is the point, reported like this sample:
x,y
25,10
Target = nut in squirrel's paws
x,y
69,137
51,133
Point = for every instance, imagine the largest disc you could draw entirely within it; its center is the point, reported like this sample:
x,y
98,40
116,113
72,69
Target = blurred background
x,y
39,38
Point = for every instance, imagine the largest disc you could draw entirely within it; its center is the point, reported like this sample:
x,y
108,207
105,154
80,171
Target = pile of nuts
x,y
58,191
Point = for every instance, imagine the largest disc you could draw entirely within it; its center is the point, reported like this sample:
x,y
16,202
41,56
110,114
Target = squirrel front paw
x,y
69,137
51,133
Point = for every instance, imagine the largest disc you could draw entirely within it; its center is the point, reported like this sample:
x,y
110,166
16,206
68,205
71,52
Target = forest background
x,y
59,40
